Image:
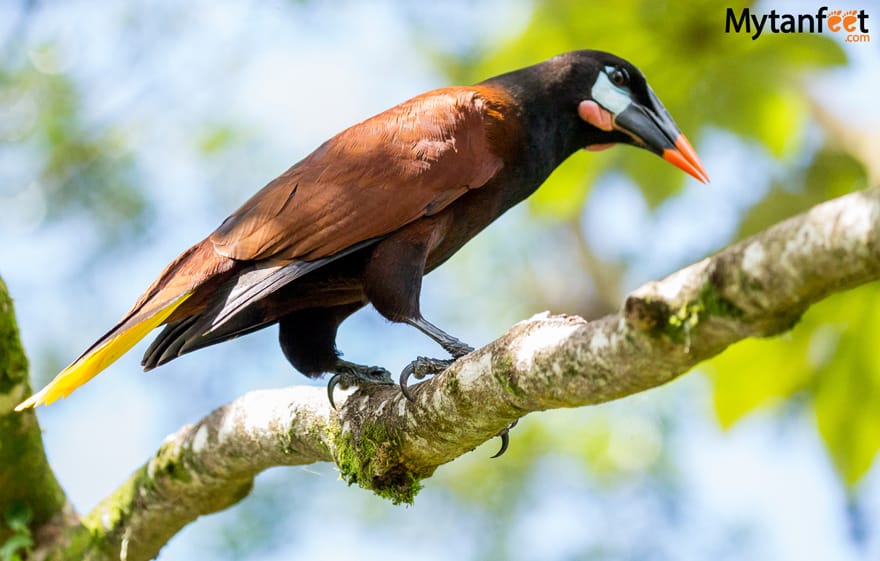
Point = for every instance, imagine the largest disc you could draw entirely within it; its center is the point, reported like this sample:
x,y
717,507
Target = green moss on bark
x,y
372,460
716,304
169,462
503,370
26,480
13,362
679,324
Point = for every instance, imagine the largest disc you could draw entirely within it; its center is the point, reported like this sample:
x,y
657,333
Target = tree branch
x,y
29,492
379,440
210,466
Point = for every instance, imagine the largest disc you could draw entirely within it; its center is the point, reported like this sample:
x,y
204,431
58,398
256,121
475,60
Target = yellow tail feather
x,y
87,367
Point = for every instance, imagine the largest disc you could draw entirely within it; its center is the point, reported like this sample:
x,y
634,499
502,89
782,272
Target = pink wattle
x,y
590,112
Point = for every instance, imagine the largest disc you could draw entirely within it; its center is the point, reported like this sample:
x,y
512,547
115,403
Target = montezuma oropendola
x,y
362,218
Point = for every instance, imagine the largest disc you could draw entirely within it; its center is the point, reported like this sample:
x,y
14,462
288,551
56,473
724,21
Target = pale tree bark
x,y
756,288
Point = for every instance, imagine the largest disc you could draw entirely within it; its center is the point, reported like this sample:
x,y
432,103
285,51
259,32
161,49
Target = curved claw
x,y
505,438
420,368
505,441
331,385
404,376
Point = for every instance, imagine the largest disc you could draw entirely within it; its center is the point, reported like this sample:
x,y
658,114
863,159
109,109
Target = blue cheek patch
x,y
609,96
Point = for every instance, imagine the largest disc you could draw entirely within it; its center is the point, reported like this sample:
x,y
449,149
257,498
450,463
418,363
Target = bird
x,y
369,212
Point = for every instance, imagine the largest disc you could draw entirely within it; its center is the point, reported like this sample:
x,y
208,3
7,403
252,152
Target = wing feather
x,y
373,178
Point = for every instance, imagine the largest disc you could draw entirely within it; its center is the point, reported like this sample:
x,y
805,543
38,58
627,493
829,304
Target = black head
x,y
598,100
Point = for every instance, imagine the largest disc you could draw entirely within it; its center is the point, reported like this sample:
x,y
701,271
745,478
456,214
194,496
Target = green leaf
x,y
780,118
16,544
847,398
756,373
830,357
17,517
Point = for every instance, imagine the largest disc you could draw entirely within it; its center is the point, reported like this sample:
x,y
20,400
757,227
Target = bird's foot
x,y
505,438
458,348
347,374
419,368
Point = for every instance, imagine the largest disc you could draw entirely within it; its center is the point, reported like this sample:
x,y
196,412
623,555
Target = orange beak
x,y
651,127
685,158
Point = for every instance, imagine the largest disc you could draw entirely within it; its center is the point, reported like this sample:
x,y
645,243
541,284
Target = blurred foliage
x,y
608,474
610,446
830,359
704,77
18,546
755,89
75,167
827,175
827,356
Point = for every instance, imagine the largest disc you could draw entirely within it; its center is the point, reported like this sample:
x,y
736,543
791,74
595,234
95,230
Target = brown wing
x,y
371,179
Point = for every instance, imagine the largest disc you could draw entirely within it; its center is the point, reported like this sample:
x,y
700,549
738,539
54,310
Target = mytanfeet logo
x,y
853,23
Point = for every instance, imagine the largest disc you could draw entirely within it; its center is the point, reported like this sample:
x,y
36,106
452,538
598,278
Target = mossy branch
x,y
32,502
379,440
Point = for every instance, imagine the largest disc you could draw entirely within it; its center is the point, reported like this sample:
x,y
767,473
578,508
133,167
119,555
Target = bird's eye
x,y
619,77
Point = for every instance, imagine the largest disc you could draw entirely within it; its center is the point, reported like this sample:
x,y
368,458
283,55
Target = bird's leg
x,y
456,347
393,282
423,366
347,374
308,340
